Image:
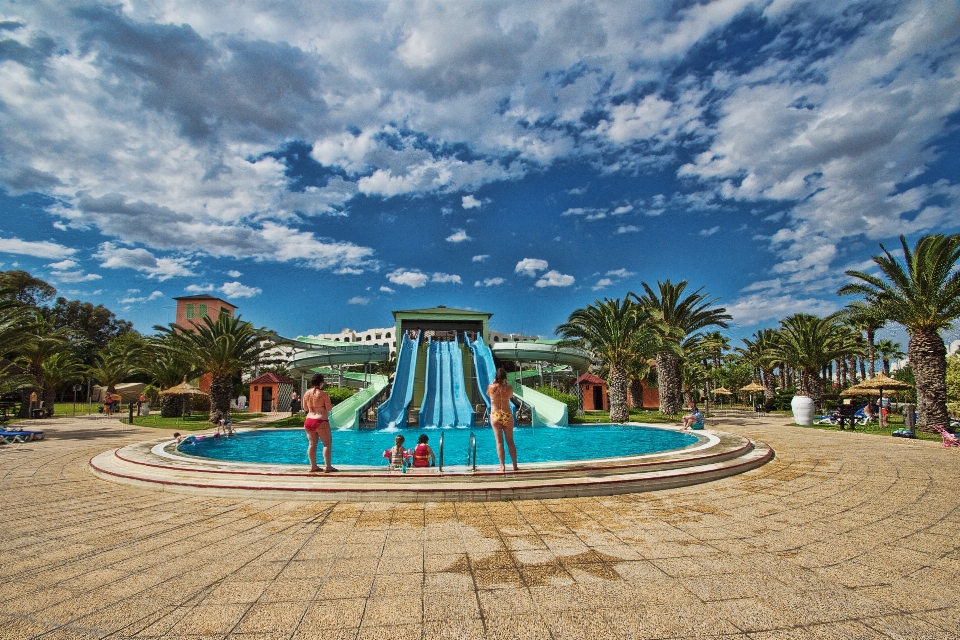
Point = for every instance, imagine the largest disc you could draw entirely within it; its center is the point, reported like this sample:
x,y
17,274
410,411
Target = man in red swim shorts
x,y
317,425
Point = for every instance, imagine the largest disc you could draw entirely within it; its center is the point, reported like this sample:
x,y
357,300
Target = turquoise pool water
x,y
534,444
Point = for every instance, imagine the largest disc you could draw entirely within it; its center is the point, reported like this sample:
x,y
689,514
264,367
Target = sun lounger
x,y
9,436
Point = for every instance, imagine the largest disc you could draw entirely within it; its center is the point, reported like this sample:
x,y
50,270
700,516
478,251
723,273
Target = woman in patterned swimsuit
x,y
501,418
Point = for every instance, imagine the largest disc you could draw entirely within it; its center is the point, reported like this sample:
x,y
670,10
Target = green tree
x,y
222,347
809,343
95,325
60,370
114,365
866,316
887,350
44,343
25,289
166,366
761,354
676,317
922,293
617,332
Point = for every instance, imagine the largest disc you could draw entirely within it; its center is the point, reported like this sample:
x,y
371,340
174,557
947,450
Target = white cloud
x,y
530,266
620,273
358,300
481,257
40,249
619,211
706,233
386,289
237,290
233,273
459,235
75,276
489,282
555,279
62,265
445,278
141,260
412,279
759,307
628,228
602,283
469,202
140,299
348,271
200,288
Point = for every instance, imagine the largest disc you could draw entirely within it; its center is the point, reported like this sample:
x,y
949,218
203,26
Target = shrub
x,y
572,402
339,394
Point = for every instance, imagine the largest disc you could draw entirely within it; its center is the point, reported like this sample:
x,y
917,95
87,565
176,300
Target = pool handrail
x,y
440,455
472,452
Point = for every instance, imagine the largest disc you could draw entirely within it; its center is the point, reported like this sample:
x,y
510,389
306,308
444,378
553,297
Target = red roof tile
x,y
270,378
592,379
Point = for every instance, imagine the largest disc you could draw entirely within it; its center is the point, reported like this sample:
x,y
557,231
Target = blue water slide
x,y
445,402
485,368
393,412
461,402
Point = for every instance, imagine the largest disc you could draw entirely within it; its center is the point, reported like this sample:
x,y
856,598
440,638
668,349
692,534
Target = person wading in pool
x,y
317,425
501,418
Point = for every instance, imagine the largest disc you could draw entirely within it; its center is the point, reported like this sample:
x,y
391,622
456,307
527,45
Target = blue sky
x,y
321,164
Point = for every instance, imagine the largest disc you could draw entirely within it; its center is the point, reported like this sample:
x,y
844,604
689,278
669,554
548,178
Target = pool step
x,y
140,465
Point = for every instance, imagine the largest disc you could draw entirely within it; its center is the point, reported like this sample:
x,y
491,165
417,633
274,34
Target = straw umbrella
x,y
876,385
184,389
752,388
722,391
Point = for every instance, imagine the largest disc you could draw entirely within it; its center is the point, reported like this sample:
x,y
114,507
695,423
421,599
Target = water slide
x,y
484,366
393,412
445,402
546,411
346,415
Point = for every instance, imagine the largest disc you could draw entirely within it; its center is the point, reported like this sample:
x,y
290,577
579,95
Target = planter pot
x,y
802,410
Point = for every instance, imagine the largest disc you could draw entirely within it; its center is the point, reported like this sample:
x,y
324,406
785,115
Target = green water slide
x,y
346,415
545,411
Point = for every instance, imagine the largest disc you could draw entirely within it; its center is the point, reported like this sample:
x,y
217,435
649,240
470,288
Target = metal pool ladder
x,y
472,453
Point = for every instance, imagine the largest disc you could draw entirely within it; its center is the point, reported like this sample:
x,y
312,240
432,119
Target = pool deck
x,y
841,535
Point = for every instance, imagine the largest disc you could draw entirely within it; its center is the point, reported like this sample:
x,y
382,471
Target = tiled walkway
x,y
841,536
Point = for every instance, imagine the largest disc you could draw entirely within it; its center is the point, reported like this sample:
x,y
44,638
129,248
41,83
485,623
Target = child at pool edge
x,y
691,418
422,453
397,452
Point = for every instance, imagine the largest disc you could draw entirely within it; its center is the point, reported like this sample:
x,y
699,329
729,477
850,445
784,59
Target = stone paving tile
x,y
835,538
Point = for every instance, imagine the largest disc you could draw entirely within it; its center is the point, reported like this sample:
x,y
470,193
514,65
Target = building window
x,y
388,335
346,339
378,336
189,312
369,338
336,339
202,311
224,311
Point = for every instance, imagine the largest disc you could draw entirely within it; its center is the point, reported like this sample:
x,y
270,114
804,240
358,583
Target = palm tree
x,y
809,343
45,342
887,350
617,332
639,371
166,367
223,348
113,365
923,294
60,370
868,317
760,353
676,318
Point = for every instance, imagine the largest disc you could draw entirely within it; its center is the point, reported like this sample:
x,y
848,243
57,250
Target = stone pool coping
x,y
151,464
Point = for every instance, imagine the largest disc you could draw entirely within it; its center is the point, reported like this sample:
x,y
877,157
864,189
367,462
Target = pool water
x,y
363,447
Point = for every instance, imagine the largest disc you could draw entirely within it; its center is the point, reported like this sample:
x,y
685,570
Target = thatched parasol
x,y
184,389
875,386
752,387
723,391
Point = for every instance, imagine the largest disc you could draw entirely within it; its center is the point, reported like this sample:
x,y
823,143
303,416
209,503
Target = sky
x,y
321,164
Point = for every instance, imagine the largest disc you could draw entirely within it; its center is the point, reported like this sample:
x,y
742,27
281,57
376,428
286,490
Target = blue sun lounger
x,y
10,436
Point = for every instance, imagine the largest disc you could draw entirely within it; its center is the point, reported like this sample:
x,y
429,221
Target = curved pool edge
x,y
717,455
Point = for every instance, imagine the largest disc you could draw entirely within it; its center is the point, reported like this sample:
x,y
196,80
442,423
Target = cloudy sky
x,y
320,164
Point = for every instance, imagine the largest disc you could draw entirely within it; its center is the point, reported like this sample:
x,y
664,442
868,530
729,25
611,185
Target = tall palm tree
x,y
45,342
677,318
887,350
808,343
866,316
166,367
222,347
923,294
760,353
60,370
113,365
616,331
639,371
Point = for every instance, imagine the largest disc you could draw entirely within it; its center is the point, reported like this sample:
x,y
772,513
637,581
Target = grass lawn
x,y
195,422
874,428
636,415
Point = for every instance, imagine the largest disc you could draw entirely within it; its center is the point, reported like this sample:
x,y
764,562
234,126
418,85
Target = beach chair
x,y
949,440
11,436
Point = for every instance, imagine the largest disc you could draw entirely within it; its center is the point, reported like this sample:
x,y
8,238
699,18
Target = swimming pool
x,y
363,447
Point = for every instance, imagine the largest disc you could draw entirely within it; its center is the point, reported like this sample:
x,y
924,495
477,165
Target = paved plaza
x,y
840,536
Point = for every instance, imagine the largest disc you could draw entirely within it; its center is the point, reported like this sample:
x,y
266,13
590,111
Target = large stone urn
x,y
802,410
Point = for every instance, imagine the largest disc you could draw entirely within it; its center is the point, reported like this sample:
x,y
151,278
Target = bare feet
x,y
503,469
315,469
